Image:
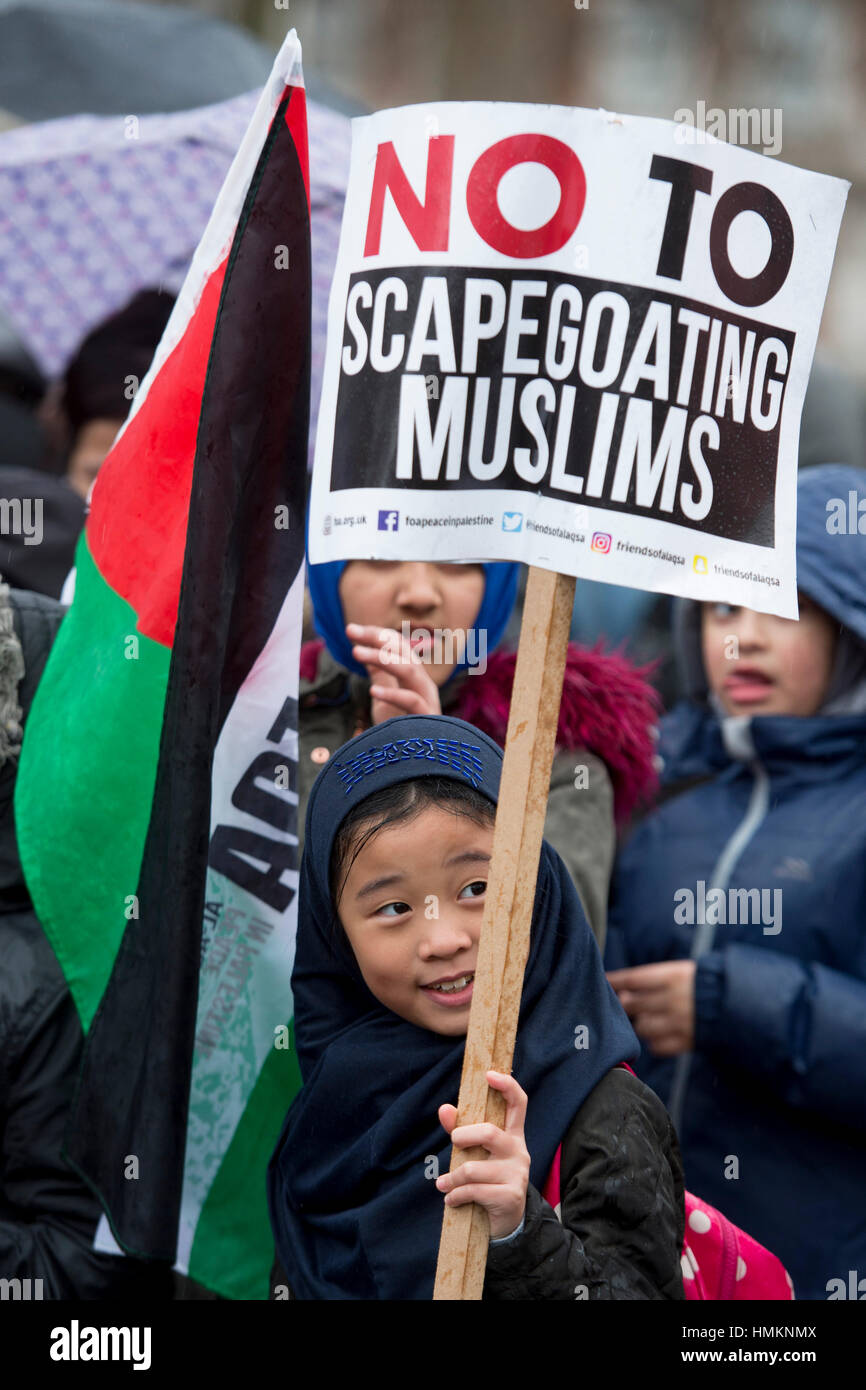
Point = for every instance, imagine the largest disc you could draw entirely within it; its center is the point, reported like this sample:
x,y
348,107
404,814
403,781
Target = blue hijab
x,y
500,592
353,1211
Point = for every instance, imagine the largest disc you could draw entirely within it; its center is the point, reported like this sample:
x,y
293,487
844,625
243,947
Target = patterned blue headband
x,y
397,750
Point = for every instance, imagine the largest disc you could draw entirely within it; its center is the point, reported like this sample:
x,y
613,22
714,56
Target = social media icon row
x,y
389,520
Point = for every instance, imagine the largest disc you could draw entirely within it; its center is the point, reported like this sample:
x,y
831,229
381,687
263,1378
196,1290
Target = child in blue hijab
x,y
422,638
498,591
399,829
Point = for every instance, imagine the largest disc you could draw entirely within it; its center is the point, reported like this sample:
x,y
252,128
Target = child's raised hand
x,y
401,685
498,1183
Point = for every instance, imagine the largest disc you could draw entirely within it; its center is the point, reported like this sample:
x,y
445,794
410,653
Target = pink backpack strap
x,y
719,1261
551,1193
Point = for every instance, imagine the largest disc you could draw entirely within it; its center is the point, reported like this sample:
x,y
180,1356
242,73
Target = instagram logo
x,y
601,542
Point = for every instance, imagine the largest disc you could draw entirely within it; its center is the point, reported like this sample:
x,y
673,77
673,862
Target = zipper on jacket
x,y
704,937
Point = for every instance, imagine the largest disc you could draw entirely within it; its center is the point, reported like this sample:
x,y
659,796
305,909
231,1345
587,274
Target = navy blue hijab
x,y
354,1214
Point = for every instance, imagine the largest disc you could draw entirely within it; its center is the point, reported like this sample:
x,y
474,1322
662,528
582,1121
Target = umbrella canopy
x,y
93,209
59,57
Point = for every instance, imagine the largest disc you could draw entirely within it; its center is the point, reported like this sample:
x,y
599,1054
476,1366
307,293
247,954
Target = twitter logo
x,y
512,521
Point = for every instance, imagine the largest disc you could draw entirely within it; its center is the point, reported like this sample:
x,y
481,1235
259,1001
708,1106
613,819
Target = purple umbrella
x,y
95,208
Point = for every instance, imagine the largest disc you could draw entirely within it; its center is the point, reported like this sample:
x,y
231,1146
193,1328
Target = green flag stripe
x,y
230,1259
103,688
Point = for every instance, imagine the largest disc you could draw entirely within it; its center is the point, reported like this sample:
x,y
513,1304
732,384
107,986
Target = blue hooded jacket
x,y
771,1105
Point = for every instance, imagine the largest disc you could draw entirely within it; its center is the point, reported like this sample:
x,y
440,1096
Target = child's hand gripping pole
x,y
499,1186
504,945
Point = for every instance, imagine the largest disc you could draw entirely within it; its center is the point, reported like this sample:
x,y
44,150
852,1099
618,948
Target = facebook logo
x,y
389,521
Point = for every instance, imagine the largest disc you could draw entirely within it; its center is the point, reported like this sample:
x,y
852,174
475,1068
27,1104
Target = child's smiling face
x,y
411,907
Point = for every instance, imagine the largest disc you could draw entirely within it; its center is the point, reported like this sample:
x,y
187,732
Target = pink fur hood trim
x,y
608,708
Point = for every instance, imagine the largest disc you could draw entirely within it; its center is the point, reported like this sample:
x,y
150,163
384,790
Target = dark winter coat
x,y
770,1107
622,1222
602,765
619,1233
48,1217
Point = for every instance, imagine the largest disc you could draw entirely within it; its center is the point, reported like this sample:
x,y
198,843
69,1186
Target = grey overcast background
x,y
647,57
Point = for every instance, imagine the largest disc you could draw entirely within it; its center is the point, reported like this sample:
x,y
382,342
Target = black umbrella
x,y
61,57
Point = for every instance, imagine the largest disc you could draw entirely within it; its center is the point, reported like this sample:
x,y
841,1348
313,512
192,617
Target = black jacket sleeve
x,y
48,1216
622,1202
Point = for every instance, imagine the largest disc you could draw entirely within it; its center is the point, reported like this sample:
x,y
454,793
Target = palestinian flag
x,y
156,806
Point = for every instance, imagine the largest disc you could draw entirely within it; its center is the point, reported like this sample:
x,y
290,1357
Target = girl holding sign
x,y
737,940
399,830
413,638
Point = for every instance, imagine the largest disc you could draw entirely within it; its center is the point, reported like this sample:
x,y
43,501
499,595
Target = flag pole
x,y
504,944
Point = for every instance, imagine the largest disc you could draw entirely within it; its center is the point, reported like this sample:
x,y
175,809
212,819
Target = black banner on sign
x,y
576,389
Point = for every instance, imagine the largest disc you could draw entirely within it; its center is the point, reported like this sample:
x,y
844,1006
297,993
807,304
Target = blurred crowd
x,y
707,807
681,771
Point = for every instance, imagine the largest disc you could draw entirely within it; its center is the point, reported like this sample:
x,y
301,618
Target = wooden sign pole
x,y
504,944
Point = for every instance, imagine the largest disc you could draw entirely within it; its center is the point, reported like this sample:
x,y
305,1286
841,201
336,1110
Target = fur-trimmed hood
x,y
608,708
11,672
28,625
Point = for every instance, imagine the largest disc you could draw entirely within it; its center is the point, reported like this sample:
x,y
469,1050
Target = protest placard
x,y
559,336
568,338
